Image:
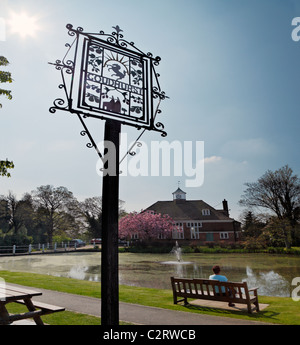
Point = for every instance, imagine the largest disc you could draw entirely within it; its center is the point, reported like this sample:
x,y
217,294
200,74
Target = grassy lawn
x,y
281,310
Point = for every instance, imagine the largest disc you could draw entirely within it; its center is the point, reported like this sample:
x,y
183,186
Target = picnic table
x,y
11,293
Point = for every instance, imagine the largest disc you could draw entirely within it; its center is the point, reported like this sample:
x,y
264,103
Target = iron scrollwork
x,y
105,76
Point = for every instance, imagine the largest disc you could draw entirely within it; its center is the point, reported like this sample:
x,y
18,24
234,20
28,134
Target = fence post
x,y
29,248
65,247
39,246
75,245
43,247
14,249
55,244
2,286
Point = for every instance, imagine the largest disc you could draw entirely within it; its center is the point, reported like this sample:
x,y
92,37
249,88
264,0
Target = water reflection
x,y
78,272
269,283
272,274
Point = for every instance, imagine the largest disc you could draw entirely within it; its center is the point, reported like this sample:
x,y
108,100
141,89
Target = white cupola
x,y
179,194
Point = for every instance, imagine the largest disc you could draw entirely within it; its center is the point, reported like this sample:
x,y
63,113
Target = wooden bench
x,y
12,293
199,288
45,308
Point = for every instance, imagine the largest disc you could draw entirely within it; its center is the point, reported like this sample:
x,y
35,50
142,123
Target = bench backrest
x,y
208,287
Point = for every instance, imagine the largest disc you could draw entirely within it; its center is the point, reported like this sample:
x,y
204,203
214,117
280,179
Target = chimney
x,y
225,207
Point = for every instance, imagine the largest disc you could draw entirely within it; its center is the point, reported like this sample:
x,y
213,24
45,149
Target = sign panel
x,y
113,83
109,78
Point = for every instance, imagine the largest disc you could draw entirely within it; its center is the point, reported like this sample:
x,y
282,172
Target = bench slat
x,y
15,289
44,306
10,293
53,308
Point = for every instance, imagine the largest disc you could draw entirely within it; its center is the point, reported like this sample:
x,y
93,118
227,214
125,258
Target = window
x,y
135,236
195,230
205,212
224,235
178,233
161,236
194,233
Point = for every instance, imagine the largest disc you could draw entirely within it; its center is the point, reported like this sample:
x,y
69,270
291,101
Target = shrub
x,y
254,244
19,239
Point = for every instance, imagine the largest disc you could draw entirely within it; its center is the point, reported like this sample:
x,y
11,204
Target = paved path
x,y
135,313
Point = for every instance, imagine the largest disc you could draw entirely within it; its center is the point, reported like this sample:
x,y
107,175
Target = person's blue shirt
x,y
219,278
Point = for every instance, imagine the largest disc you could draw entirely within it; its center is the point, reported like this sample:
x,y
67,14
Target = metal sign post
x,y
110,217
109,78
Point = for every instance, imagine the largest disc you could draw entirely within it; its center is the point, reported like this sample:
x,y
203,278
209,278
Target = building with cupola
x,y
195,220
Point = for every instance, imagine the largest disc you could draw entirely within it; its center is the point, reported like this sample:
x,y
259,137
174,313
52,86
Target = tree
x,y
28,213
251,224
16,217
4,165
5,77
53,204
11,210
91,209
277,191
17,214
278,232
146,226
4,215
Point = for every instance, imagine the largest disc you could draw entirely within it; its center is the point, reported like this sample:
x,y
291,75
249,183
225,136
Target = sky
x,y
231,71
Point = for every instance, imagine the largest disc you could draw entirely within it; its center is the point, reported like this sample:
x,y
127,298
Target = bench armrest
x,y
253,289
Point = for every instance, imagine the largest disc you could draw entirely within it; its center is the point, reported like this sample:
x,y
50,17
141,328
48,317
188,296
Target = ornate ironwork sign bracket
x,y
106,77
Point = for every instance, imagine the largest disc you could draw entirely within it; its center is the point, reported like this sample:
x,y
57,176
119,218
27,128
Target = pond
x,y
273,274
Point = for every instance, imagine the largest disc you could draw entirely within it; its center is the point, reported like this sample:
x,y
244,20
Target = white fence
x,y
38,248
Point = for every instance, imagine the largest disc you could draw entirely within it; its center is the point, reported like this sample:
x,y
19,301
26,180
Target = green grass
x,y
281,310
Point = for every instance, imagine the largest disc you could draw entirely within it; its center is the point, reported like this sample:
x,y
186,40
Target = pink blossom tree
x,y
146,226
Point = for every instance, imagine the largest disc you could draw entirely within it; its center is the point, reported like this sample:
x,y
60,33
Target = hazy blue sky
x,y
230,68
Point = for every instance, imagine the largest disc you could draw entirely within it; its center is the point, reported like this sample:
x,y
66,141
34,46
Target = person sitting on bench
x,y
216,276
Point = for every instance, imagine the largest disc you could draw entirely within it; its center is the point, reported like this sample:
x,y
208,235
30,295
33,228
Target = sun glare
x,y
23,24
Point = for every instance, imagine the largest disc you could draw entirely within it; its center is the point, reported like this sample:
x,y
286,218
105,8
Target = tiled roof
x,y
179,191
187,210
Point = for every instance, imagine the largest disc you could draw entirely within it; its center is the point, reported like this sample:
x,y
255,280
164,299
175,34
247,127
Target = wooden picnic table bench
x,y
11,293
208,289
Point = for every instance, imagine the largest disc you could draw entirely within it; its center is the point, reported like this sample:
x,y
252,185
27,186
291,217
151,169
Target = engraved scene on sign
x,y
113,82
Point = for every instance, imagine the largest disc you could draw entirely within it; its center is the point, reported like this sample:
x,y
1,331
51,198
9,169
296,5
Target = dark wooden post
x,y
110,210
